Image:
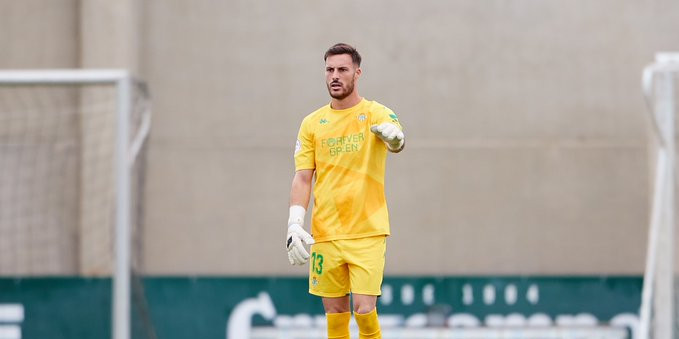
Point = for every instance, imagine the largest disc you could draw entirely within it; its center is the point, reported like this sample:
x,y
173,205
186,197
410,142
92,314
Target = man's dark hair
x,y
343,48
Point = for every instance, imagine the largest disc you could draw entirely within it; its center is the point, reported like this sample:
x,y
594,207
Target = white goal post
x,y
658,305
127,147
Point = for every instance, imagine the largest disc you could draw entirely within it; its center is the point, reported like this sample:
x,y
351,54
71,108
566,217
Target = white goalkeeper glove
x,y
390,134
297,237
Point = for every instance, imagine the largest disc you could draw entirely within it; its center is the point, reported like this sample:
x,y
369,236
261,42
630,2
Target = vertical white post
x,y
121,277
659,188
670,209
664,292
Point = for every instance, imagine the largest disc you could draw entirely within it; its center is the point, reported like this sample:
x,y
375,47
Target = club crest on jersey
x,y
361,117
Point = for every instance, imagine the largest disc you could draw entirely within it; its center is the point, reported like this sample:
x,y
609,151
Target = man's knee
x,y
364,303
363,308
336,309
336,305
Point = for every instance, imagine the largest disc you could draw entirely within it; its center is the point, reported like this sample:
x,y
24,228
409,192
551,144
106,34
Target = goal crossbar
x,y
62,76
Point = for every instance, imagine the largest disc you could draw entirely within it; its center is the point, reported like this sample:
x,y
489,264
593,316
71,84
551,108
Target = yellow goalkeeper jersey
x,y
350,162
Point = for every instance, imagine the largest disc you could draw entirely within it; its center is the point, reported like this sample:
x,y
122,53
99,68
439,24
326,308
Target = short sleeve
x,y
384,114
304,148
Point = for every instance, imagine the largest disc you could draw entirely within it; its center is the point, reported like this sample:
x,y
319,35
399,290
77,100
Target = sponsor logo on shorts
x,y
314,282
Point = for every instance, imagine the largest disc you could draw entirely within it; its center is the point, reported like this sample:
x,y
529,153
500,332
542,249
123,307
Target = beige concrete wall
x,y
38,34
57,145
526,136
109,38
526,149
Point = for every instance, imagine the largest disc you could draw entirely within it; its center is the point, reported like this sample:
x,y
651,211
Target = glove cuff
x,y
297,213
396,146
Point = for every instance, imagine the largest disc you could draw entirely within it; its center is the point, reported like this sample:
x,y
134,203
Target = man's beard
x,y
344,94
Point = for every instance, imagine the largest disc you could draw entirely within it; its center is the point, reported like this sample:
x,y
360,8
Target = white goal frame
x,y
657,309
125,155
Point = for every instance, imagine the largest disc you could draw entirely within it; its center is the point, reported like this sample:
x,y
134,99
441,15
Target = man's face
x,y
340,75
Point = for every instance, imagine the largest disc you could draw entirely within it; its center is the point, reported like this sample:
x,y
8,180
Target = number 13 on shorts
x,y
316,263
339,267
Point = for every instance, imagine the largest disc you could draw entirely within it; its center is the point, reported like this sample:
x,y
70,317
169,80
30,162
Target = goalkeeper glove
x,y
297,237
390,134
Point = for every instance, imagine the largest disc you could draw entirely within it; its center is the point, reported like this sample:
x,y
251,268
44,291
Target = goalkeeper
x,y
345,144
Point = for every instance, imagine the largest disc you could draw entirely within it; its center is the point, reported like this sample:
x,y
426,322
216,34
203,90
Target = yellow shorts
x,y
338,267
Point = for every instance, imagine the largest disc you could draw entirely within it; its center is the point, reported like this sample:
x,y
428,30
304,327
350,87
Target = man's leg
x,y
366,269
329,279
338,314
365,313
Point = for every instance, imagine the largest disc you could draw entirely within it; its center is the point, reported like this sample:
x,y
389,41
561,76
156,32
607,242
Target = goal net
x,y
658,315
71,172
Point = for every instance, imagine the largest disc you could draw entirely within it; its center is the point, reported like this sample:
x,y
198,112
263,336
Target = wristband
x,y
296,215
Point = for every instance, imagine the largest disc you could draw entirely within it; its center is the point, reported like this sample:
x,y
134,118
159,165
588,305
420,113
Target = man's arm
x,y
301,188
299,201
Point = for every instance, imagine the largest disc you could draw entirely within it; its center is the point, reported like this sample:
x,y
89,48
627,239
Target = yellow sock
x,y
368,325
338,325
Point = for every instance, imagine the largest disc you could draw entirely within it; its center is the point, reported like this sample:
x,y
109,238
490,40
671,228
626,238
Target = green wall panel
x,y
203,307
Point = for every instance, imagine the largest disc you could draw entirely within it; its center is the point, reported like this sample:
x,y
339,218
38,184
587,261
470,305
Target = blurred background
x,y
527,163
